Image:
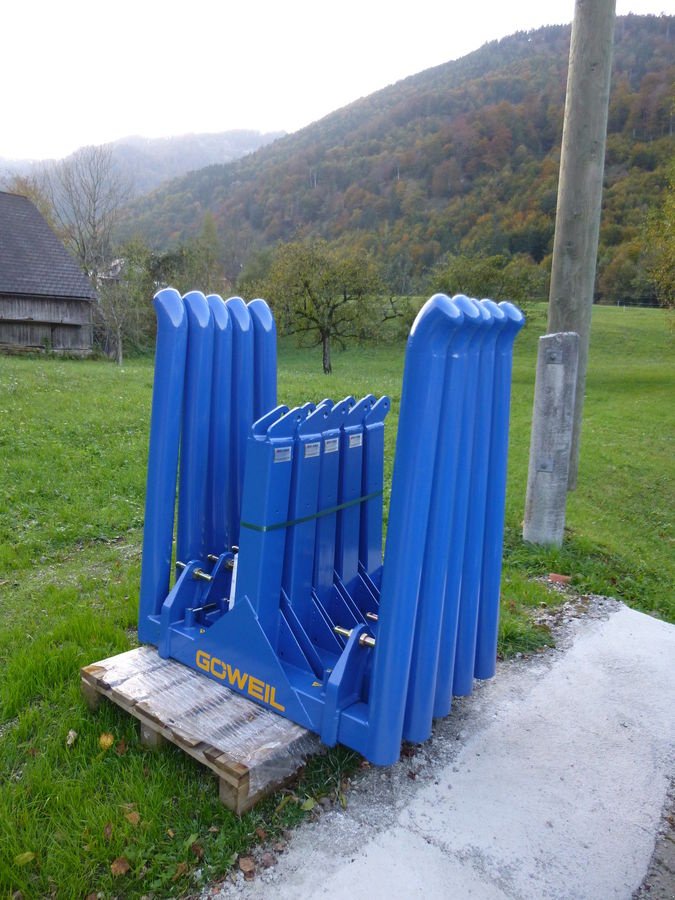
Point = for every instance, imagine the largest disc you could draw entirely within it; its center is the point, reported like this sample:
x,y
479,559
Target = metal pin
x,y
201,574
212,557
180,565
207,608
372,616
365,640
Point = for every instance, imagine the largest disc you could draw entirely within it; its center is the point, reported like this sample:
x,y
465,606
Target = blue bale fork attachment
x,y
280,590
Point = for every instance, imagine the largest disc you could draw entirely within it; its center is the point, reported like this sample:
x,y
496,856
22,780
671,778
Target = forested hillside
x,y
461,158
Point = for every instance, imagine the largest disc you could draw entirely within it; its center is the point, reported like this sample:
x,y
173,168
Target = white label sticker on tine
x,y
313,449
282,454
331,445
355,440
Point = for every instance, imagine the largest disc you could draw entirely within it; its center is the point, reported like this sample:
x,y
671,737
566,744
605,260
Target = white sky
x,y
76,72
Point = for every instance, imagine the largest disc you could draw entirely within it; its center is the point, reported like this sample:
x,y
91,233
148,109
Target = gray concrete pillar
x,y
551,441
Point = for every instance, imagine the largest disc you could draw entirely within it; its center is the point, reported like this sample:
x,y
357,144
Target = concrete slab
x,y
548,782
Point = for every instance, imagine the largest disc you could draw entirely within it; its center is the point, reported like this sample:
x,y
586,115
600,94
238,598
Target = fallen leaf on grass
x,y
71,738
106,741
133,817
309,803
171,832
107,830
213,829
181,869
120,866
261,833
24,858
121,747
197,849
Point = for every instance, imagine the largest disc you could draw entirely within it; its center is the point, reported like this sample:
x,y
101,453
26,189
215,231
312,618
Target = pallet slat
x,y
251,750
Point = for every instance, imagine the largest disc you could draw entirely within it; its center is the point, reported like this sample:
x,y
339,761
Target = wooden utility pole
x,y
582,160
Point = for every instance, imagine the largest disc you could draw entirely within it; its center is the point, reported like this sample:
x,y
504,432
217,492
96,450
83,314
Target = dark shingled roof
x,y
32,259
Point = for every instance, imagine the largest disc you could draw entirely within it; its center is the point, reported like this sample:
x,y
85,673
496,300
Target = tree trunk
x,y
325,343
118,348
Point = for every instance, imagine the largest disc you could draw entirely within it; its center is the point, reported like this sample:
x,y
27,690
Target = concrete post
x,y
582,161
551,441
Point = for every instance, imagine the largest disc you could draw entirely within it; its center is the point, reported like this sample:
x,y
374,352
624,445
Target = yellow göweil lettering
x,y
257,689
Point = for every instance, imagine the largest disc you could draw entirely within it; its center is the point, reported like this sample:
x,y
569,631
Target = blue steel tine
x,y
299,557
474,327
265,357
467,624
324,555
408,515
194,450
488,609
165,423
430,609
351,477
370,551
219,527
266,496
242,403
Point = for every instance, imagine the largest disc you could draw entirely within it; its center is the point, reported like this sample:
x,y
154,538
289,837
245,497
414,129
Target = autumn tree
x,y
321,294
661,240
195,264
33,186
499,277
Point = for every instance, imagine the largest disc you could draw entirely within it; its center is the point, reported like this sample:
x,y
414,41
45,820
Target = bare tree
x,y
87,193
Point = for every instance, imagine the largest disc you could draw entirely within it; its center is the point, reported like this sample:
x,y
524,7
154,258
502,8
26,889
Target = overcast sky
x,y
77,72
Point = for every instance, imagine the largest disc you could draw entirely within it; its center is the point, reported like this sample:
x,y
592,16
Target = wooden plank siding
x,y
56,324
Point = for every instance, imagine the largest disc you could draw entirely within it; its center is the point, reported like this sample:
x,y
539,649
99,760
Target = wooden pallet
x,y
250,749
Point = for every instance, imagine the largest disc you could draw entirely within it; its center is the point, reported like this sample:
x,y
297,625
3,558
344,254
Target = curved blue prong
x,y
242,402
194,451
265,357
218,525
165,423
488,610
408,517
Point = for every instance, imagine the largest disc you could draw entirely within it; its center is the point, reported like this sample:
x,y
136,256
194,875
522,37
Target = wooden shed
x,y
45,298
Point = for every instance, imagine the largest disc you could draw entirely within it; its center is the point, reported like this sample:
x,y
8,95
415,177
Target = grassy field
x,y
73,438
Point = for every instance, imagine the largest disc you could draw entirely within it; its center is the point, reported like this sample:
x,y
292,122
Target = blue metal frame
x,y
281,592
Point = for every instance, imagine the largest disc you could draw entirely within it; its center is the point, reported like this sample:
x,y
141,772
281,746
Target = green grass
x,y
73,442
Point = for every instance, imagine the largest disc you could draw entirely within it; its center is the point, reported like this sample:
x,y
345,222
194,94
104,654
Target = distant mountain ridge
x,y
462,157
147,162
